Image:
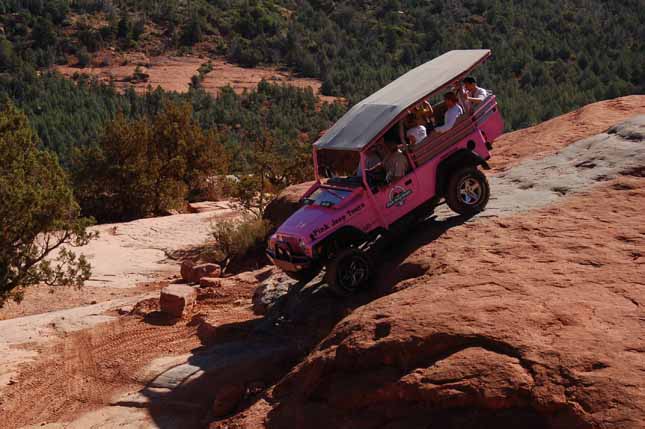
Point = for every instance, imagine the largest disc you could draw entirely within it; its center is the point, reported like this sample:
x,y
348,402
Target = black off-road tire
x,y
468,191
349,272
304,276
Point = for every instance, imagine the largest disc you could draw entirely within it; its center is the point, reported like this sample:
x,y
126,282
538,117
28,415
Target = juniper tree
x,y
38,214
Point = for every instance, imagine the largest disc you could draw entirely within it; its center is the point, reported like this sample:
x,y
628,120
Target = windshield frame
x,y
340,194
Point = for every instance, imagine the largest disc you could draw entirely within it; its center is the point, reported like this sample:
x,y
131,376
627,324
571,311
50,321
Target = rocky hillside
x,y
529,315
516,319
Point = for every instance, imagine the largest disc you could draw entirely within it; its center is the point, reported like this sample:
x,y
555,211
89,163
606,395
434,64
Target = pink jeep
x,y
356,199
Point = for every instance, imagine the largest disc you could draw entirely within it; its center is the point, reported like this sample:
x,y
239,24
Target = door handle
x,y
408,182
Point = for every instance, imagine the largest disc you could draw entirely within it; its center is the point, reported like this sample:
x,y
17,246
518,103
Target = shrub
x,y
38,214
236,240
84,57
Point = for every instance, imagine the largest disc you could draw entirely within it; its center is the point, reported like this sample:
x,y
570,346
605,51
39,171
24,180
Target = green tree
x,y
191,33
147,166
124,27
38,214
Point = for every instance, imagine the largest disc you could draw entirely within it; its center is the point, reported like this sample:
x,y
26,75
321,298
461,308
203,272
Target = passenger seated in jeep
x,y
423,112
453,112
417,130
474,93
395,162
372,158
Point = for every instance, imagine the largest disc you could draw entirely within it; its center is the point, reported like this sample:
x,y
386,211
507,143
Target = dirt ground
x,y
174,73
43,298
82,371
70,377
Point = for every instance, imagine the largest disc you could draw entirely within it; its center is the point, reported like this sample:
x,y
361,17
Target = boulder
x,y
193,273
187,270
210,282
267,294
177,300
285,204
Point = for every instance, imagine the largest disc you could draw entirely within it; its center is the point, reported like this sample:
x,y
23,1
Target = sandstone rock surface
x,y
206,270
531,317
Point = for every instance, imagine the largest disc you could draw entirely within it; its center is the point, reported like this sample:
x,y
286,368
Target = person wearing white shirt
x,y
474,94
453,112
417,133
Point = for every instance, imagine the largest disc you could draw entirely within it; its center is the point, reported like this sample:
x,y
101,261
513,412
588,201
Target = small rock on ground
x,y
192,273
176,300
210,282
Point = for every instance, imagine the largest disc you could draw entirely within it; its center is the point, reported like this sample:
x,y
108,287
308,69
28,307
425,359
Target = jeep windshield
x,y
326,197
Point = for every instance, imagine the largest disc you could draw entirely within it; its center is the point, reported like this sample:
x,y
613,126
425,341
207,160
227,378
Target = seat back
x,y
434,144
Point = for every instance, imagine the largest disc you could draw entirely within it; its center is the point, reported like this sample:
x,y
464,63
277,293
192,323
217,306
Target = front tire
x,y
468,191
349,272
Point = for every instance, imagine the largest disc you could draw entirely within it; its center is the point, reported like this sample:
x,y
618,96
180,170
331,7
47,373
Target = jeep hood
x,y
305,220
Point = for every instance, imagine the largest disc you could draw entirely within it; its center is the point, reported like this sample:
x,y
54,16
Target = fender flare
x,y
461,158
350,234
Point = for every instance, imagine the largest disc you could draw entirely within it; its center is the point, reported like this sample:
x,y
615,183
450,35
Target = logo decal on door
x,y
398,197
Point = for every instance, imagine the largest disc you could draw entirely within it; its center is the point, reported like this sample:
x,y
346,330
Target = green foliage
x,y
248,191
550,56
192,32
38,214
235,239
84,58
146,166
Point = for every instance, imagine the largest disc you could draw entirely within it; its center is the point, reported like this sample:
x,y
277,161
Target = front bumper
x,y
287,261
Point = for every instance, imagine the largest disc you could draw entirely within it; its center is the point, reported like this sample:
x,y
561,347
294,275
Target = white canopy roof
x,y
367,119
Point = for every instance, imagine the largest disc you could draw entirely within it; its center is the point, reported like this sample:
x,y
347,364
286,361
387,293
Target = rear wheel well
x,y
459,159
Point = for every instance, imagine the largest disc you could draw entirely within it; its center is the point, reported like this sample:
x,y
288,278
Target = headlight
x,y
302,245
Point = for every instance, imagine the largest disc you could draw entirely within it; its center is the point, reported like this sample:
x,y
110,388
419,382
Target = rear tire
x,y
349,272
468,191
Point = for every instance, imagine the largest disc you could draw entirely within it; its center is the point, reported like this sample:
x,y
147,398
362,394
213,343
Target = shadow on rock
x,y
307,312
215,381
394,253
241,360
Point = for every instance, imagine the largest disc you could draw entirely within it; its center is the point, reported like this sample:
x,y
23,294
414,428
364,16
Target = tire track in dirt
x,y
86,369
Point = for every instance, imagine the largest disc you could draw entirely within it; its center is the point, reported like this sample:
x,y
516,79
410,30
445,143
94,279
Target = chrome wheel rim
x,y
352,273
470,191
